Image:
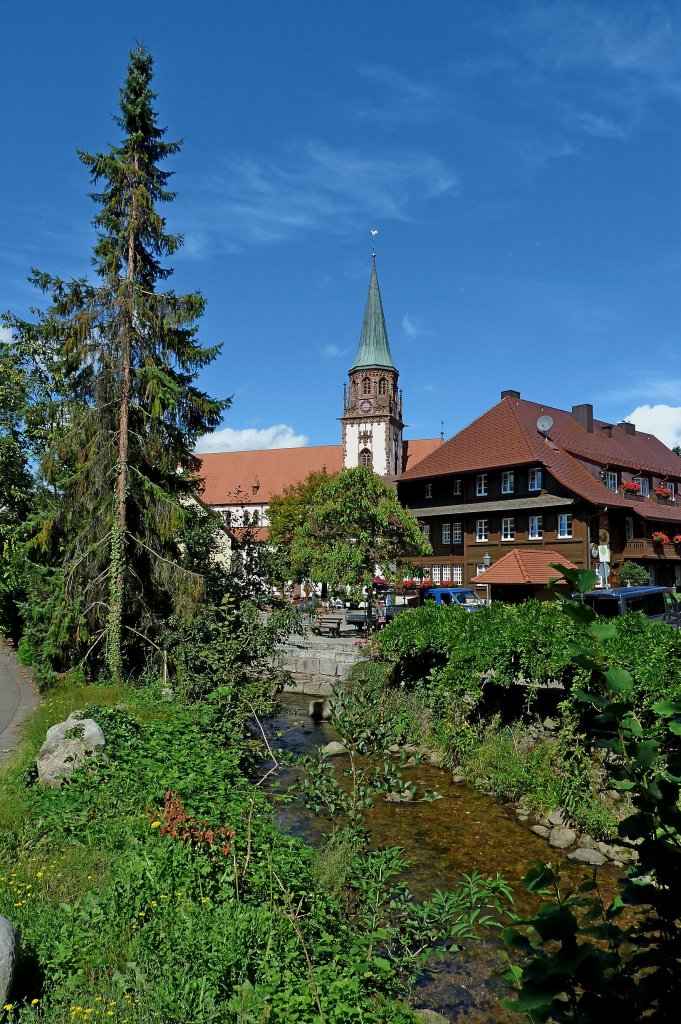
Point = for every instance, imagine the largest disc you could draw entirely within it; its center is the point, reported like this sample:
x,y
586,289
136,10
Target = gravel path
x,y
18,697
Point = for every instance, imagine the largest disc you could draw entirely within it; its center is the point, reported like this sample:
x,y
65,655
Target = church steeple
x,y
374,349
372,406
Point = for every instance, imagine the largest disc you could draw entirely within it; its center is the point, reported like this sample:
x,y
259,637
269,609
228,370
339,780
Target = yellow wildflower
x,y
156,824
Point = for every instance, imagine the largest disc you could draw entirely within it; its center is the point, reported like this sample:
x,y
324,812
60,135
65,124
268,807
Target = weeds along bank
x,y
155,886
478,688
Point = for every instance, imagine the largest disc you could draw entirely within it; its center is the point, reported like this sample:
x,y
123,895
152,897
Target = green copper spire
x,y
374,349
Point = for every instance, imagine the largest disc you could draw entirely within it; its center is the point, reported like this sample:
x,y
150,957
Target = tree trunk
x,y
114,654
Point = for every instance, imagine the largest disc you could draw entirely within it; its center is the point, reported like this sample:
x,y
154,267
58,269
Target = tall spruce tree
x,y
121,457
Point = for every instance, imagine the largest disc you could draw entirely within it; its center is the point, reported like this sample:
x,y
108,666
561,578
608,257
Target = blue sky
x,y
520,160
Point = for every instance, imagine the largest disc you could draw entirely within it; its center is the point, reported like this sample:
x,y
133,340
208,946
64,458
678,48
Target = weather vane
x,y
374,232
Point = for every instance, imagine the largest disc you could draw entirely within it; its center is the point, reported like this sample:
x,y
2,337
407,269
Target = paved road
x,y
18,697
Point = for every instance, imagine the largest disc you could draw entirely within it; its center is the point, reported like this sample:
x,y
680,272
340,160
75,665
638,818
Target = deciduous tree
x,y
353,526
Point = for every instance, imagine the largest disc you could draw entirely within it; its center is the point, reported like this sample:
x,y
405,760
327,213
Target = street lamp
x,y
487,561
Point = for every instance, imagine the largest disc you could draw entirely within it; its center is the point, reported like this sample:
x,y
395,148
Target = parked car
x,y
462,596
659,604
358,617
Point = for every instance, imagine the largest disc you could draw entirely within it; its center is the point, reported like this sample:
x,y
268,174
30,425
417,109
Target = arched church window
x,y
365,458
366,386
383,386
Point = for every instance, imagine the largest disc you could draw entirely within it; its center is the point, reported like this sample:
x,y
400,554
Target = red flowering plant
x,y
177,824
663,492
660,538
677,538
630,487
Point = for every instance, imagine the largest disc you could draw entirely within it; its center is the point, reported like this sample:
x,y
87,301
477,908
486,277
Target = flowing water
x,y
463,832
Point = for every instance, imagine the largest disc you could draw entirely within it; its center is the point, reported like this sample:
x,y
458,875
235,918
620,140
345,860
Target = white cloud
x,y
250,439
5,335
319,188
332,351
662,420
411,326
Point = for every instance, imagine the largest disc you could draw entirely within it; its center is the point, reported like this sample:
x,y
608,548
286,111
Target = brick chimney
x,y
584,414
510,394
628,428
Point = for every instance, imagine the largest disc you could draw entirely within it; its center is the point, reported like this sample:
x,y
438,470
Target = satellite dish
x,y
544,424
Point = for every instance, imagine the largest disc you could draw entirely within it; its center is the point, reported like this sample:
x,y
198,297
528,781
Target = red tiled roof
x,y
524,567
507,435
253,477
414,451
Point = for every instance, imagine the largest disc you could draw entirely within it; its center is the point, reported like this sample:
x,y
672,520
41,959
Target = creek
x,y
465,831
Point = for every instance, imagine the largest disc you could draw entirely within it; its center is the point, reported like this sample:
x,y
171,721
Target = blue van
x,y
658,604
464,597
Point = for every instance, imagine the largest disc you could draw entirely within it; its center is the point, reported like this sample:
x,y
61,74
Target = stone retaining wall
x,y
316,663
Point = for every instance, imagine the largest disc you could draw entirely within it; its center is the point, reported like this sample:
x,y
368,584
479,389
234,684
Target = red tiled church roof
x,y
519,566
254,477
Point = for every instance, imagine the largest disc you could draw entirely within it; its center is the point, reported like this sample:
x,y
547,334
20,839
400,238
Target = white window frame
x,y
644,483
507,481
481,485
482,531
457,574
629,527
535,480
456,486
564,526
611,480
538,532
479,568
425,529
436,575
508,528
457,533
429,491
446,573
446,533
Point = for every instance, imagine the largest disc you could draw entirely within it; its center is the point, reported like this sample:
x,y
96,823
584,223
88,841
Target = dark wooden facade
x,y
504,483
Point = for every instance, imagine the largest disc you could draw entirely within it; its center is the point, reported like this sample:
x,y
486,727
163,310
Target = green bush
x,y
455,654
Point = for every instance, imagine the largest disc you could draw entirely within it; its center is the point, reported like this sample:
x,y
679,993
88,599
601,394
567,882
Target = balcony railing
x,y
641,547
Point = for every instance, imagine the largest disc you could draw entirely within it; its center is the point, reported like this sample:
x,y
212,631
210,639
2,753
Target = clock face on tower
x,y
366,405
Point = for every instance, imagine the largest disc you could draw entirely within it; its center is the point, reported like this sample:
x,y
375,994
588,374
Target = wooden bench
x,y
330,623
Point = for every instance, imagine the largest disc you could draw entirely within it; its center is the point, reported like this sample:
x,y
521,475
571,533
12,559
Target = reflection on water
x,y
463,832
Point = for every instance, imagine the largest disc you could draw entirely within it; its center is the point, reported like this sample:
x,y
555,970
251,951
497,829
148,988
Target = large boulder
x,y
582,856
561,838
8,957
430,1016
67,745
334,749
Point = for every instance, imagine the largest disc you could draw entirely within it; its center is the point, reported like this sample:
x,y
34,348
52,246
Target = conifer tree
x,y
128,357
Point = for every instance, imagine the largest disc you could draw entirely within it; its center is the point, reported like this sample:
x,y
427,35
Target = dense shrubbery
x,y
587,961
454,654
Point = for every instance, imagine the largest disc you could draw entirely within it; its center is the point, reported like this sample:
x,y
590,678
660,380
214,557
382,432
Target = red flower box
x,y
660,538
630,487
663,492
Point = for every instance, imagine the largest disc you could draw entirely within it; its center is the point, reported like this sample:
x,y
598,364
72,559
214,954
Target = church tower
x,y
372,405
